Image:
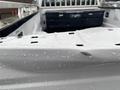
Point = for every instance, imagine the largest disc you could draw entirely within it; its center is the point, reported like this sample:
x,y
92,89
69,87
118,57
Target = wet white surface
x,y
25,66
87,78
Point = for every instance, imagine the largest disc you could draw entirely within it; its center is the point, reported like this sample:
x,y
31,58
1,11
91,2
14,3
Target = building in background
x,y
12,11
8,12
5,12
23,1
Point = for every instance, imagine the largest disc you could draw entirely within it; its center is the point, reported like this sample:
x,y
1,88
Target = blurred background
x,y
13,10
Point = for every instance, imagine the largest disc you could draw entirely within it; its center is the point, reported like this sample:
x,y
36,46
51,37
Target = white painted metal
x,y
114,18
29,27
52,50
34,63
55,62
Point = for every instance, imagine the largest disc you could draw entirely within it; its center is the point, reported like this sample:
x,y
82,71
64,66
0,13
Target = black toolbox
x,y
58,21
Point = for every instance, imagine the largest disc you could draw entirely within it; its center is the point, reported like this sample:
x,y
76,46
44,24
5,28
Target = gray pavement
x,y
8,21
1,24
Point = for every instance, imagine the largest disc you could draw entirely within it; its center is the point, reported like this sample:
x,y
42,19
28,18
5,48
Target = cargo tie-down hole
x,y
33,42
34,37
71,33
79,45
117,44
